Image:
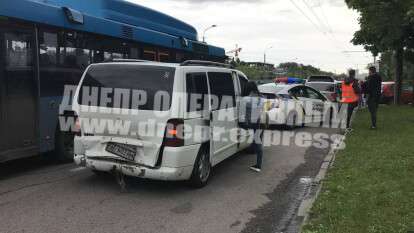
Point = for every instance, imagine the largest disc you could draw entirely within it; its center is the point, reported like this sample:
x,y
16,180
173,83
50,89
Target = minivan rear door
x,y
125,107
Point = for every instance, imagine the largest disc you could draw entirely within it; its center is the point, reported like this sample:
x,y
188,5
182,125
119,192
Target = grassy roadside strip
x,y
371,186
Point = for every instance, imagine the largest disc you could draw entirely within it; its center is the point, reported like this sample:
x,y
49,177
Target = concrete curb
x,y
307,203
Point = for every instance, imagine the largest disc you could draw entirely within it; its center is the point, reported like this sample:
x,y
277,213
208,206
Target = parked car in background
x,y
330,90
407,96
181,146
387,92
297,104
327,86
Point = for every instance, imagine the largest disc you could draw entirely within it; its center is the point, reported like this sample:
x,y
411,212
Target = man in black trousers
x,y
373,90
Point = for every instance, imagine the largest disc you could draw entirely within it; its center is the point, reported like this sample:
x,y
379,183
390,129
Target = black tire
x,y
303,124
331,114
63,146
329,119
202,170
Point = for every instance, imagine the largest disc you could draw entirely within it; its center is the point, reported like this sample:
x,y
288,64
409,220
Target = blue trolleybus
x,y
47,44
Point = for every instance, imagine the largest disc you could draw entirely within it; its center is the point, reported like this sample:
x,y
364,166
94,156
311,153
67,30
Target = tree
x,y
294,69
291,69
386,26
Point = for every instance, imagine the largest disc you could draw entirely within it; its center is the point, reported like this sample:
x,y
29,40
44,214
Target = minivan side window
x,y
222,86
197,92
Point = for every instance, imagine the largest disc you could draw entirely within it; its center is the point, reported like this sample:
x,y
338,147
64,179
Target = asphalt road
x,y
37,196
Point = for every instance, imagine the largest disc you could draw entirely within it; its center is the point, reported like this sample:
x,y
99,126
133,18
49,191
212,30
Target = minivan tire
x,y
202,170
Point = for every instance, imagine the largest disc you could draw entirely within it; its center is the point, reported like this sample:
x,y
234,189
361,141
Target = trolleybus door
x,y
18,93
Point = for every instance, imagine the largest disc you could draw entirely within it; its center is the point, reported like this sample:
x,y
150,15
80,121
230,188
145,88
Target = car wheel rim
x,y
204,168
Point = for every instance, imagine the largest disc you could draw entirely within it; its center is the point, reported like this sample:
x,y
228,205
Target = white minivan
x,y
158,120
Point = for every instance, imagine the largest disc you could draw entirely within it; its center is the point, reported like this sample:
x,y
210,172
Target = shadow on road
x,y
26,166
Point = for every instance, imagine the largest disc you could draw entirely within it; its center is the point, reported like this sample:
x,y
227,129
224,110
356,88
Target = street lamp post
x,y
204,33
264,55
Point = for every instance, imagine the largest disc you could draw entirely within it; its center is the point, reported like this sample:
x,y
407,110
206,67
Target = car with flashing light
x,y
297,105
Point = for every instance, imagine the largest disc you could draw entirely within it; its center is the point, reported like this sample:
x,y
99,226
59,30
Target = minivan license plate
x,y
122,150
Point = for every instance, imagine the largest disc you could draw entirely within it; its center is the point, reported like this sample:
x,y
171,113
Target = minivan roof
x,y
164,64
147,63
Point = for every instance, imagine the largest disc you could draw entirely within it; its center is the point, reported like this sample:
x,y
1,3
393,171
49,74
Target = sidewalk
x,y
371,185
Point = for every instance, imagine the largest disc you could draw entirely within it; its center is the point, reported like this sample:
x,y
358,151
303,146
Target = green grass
x,y
371,186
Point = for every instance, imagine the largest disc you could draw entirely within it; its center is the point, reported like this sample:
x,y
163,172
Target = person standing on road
x,y
252,105
350,95
373,91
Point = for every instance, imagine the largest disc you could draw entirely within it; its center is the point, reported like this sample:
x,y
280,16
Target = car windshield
x,y
320,79
127,82
326,87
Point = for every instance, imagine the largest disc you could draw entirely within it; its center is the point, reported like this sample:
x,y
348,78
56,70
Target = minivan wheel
x,y
201,171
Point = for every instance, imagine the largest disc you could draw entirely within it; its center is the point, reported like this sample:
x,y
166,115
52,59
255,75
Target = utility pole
x,y
264,54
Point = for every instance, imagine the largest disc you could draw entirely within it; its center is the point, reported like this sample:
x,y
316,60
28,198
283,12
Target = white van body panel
x,y
154,161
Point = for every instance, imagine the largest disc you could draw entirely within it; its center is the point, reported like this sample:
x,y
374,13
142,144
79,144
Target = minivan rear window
x,y
128,86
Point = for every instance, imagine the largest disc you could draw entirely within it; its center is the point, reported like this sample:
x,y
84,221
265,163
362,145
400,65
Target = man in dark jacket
x,y
373,91
251,109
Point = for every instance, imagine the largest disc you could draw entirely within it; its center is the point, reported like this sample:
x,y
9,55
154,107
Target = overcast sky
x,y
258,24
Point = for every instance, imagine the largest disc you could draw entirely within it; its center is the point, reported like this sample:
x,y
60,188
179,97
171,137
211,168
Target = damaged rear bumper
x,y
134,170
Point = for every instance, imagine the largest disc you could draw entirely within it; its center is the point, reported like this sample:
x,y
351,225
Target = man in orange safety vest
x,y
350,95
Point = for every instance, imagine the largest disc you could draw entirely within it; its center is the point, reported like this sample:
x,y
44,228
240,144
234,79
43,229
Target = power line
x,y
307,17
314,14
329,34
316,25
325,17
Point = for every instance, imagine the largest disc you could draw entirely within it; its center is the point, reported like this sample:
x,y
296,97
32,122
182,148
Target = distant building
x,y
266,66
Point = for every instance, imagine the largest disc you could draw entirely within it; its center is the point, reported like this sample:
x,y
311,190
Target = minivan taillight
x,y
174,133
